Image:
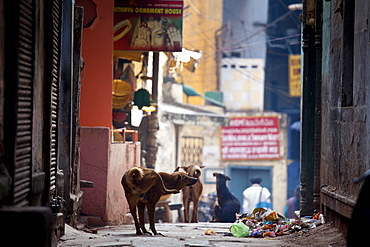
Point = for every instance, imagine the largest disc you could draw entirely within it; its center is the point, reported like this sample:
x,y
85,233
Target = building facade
x,y
39,109
335,128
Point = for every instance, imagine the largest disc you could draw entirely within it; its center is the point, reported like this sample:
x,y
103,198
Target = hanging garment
x,y
142,98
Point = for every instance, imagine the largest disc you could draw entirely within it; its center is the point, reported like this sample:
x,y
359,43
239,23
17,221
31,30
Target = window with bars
x,y
191,150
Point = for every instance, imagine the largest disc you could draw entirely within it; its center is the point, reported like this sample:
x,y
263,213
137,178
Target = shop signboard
x,y
251,138
295,75
148,25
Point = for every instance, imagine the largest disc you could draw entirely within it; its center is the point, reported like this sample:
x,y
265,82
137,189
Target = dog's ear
x,y
228,178
181,167
177,169
202,166
185,168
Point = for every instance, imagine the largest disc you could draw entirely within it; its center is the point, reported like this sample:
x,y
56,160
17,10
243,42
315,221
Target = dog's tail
x,y
134,174
195,171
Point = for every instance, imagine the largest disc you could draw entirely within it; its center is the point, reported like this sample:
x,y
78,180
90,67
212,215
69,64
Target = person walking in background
x,y
256,196
292,203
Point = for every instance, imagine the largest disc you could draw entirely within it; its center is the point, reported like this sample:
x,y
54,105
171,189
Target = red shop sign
x,y
251,138
148,25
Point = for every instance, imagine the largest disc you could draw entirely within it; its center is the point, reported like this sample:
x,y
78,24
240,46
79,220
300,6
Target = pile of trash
x,y
267,223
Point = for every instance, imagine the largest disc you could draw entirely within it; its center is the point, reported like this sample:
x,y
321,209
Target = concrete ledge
x,y
333,199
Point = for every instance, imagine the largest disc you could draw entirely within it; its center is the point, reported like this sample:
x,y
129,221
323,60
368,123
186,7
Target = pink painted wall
x,y
94,160
123,156
104,163
97,77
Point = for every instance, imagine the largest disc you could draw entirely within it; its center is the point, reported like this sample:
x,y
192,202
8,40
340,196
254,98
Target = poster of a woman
x,y
155,27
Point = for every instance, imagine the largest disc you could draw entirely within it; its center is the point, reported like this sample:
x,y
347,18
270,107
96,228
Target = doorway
x,y
241,175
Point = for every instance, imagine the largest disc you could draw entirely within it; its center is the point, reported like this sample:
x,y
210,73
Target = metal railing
x,y
126,134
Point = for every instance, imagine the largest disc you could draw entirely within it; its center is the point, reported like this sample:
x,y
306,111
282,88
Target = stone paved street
x,y
193,234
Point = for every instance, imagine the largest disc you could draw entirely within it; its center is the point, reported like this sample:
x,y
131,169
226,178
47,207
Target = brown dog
x,y
140,180
192,193
171,182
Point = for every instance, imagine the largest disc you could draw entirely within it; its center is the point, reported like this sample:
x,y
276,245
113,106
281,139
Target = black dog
x,y
227,204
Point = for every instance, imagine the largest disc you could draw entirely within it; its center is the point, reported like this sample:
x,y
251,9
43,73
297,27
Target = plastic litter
x,y
265,223
239,230
272,216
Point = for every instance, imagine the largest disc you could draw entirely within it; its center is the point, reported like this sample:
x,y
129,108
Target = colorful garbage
x,y
264,223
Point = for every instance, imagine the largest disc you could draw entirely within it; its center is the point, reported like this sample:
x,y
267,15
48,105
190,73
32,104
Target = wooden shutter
x,y
19,71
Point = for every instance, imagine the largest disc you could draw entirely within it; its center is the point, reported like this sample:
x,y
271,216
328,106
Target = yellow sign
x,y
295,75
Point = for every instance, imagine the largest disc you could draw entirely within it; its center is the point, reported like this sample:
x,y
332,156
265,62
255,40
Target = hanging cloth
x,y
142,98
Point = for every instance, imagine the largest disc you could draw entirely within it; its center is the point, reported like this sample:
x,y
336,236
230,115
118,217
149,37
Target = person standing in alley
x,y
293,203
256,196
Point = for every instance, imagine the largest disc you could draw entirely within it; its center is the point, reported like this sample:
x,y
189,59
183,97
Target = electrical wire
x,y
202,34
286,9
251,44
200,13
236,45
279,91
264,28
204,57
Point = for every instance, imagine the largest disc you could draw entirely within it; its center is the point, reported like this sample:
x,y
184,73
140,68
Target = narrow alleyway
x,y
193,234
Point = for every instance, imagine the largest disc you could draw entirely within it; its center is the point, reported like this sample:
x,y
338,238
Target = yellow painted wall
x,y
201,20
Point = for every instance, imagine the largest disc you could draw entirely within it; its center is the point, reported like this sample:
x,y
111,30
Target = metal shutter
x,y
24,112
53,31
19,72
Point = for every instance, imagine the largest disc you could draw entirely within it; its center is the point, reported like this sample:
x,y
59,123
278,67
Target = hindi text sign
x,y
251,138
